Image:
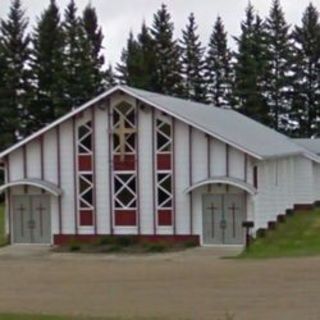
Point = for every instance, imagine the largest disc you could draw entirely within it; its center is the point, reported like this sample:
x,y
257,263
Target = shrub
x,y
74,247
125,241
190,244
105,240
156,247
113,248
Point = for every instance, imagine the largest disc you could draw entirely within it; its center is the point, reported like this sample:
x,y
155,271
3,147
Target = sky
x,y
119,17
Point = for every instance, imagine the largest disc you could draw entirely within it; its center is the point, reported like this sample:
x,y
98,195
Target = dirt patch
x,y
194,284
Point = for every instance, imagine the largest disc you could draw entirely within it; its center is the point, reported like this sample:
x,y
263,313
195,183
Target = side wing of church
x,y
131,162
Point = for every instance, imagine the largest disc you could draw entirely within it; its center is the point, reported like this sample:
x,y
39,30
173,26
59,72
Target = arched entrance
x,y
30,213
224,209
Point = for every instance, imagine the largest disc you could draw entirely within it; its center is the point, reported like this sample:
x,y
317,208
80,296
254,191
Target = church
x,y
132,162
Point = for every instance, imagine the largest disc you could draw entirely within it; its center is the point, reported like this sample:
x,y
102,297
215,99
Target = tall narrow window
x,y
85,174
163,158
124,164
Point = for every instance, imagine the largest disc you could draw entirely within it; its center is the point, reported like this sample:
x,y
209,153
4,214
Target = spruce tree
x,y
192,63
47,67
306,70
250,68
218,67
78,64
15,94
94,35
278,67
168,78
110,77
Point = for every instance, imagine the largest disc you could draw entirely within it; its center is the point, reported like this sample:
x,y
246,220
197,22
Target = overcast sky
x,y
118,17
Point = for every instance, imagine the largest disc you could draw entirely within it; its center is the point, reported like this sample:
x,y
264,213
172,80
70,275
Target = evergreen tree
x,y
306,69
138,61
110,77
250,68
15,93
47,67
95,37
278,67
167,54
192,62
78,63
218,67
129,70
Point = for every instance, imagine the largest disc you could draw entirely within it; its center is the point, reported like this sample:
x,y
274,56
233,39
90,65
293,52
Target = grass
x,y
298,236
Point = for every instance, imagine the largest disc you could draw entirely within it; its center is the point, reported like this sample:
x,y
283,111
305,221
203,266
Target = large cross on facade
x,y
121,130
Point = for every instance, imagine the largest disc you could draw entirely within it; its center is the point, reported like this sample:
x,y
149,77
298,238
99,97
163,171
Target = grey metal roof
x,y
312,145
226,124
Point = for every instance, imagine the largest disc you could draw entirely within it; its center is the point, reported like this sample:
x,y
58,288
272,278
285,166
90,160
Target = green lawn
x,y
298,236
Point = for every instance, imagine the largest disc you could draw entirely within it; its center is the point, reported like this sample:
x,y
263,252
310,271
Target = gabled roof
x,y
226,125
312,145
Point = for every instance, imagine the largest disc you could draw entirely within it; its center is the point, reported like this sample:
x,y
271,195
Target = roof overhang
x,y
224,180
38,183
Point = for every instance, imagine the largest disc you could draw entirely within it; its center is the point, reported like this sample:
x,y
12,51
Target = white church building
x,y
132,162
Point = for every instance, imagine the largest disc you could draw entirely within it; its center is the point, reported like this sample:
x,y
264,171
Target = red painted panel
x,y
125,217
85,162
128,162
60,239
164,162
86,218
164,217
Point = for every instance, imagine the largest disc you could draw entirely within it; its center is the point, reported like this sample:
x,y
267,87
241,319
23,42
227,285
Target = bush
x,y
125,241
74,245
156,247
113,248
105,240
191,244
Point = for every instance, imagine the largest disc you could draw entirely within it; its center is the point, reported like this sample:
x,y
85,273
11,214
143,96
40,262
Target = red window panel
x,y
125,217
164,217
127,163
86,217
163,161
85,162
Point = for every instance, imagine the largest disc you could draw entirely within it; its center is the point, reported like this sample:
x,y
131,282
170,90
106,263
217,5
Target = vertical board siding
x,y
102,168
67,178
16,165
182,178
146,179
50,161
199,156
236,164
218,159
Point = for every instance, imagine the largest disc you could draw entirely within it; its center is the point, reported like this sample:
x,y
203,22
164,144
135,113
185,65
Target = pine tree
x,y
192,62
218,67
250,68
167,54
278,67
78,63
15,95
95,37
306,69
110,77
47,67
129,70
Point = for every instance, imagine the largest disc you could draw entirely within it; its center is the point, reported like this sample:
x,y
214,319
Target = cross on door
x,y
212,208
122,131
21,209
233,210
41,209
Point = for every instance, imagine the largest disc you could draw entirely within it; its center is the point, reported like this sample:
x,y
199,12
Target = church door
x,y
31,219
222,219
